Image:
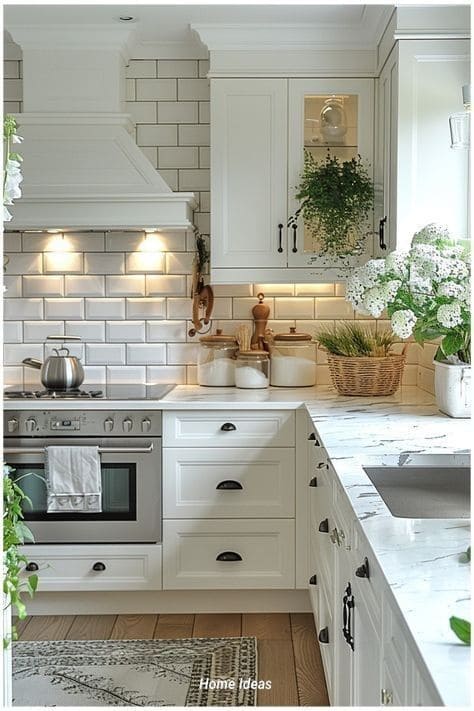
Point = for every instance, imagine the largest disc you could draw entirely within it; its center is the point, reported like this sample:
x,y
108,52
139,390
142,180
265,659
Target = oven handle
x,y
102,450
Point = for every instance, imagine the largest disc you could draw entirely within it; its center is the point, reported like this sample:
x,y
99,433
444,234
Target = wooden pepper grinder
x,y
260,312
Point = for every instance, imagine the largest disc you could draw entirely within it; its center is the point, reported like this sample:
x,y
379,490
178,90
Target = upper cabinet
x,y
419,178
260,131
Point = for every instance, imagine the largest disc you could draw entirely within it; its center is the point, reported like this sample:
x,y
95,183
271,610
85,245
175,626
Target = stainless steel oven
x,y
130,453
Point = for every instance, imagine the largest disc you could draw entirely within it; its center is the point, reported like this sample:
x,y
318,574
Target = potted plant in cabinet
x,y
426,292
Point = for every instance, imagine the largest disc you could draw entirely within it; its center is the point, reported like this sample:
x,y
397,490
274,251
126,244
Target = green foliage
x,y
352,340
461,628
15,534
202,251
337,198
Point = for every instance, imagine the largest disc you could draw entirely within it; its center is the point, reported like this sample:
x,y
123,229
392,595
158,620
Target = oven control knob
x,y
127,424
30,424
146,424
108,424
12,424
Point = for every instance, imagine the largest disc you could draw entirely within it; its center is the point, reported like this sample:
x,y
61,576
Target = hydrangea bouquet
x,y
426,292
12,176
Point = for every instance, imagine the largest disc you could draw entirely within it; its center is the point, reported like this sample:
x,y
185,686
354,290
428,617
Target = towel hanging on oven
x,y
73,479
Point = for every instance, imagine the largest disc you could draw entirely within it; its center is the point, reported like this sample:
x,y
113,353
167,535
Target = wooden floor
x,y
288,651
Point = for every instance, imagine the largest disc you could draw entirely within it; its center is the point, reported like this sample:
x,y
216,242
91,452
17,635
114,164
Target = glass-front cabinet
x,y
330,125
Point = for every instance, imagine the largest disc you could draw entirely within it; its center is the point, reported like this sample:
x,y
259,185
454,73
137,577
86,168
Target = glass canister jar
x,y
293,360
252,369
216,361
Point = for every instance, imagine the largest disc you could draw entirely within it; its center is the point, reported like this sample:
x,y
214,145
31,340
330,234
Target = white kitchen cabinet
x,y
260,129
419,179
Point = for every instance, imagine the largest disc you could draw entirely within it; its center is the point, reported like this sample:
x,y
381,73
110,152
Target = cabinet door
x,y
385,160
248,172
353,101
367,651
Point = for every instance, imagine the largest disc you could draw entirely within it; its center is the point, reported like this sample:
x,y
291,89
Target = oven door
x,y
131,491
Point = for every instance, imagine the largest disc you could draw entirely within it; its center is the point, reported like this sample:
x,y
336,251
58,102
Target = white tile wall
x,y
132,307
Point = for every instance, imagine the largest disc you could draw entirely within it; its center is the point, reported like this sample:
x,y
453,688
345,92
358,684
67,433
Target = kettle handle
x,y
63,348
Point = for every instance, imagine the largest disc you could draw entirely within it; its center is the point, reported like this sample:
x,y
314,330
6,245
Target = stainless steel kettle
x,y
61,371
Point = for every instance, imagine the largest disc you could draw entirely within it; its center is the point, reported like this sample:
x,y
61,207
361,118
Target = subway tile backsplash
x,y
130,303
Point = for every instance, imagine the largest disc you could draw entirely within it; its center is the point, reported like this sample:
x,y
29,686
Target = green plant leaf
x,y
461,628
452,343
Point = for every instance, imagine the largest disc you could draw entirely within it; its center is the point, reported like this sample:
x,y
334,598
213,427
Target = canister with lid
x,y
216,362
252,369
293,360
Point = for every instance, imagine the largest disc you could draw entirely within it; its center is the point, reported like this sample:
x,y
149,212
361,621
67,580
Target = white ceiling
x,y
171,23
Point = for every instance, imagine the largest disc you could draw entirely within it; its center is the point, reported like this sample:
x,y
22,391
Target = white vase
x,y
453,388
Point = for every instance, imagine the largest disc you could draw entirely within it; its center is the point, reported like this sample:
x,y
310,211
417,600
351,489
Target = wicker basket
x,y
366,376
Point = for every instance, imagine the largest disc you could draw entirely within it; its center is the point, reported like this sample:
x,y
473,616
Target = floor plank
x,y
91,627
267,626
173,626
311,683
47,627
276,664
134,627
217,625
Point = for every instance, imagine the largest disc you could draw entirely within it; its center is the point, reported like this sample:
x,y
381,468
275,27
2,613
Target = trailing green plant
x,y
15,534
336,200
202,252
354,341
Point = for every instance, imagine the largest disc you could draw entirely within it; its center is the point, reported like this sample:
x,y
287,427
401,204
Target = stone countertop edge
x,y
419,558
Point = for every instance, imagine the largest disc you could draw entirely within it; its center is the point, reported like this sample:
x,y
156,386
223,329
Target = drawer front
x,y
228,483
229,428
125,567
192,547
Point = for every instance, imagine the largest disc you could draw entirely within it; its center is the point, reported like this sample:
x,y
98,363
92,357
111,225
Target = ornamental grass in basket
x,y
361,362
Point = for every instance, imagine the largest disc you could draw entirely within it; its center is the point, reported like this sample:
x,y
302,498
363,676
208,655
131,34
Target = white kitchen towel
x,y
73,480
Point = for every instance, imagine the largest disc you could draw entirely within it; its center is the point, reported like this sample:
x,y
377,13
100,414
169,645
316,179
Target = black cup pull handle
x,y
323,636
229,556
229,485
363,571
324,526
280,237
294,227
32,567
312,436
228,427
99,566
313,580
382,224
314,482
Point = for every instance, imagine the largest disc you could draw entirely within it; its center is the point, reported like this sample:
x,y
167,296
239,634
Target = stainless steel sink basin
x,y
416,489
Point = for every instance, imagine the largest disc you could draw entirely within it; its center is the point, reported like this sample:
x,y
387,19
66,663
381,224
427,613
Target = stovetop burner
x,y
53,394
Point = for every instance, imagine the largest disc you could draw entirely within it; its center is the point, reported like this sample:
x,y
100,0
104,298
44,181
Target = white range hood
x,y
81,166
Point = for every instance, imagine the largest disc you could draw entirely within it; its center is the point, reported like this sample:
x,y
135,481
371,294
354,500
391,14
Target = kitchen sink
x,y
421,488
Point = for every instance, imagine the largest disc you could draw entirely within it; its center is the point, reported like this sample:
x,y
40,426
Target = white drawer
x,y
253,483
229,428
191,548
70,567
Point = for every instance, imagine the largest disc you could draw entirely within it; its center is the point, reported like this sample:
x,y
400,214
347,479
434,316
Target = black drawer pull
x,y
229,485
312,436
280,227
294,227
363,571
32,567
324,526
228,427
314,481
98,567
229,556
323,636
313,580
382,224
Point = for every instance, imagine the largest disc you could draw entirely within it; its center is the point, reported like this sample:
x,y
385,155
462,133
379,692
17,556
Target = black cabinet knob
x,y
229,485
363,571
32,567
323,636
313,580
314,481
99,566
228,427
324,526
229,556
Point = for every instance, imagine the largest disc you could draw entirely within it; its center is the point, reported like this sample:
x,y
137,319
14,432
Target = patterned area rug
x,y
184,672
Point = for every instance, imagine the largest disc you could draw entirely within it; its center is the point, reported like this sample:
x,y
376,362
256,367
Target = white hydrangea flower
x,y
403,322
431,233
454,250
370,272
374,301
449,315
396,263
451,288
354,290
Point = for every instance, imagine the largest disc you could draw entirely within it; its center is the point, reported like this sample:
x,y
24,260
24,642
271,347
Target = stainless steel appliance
x,y
129,443
61,371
